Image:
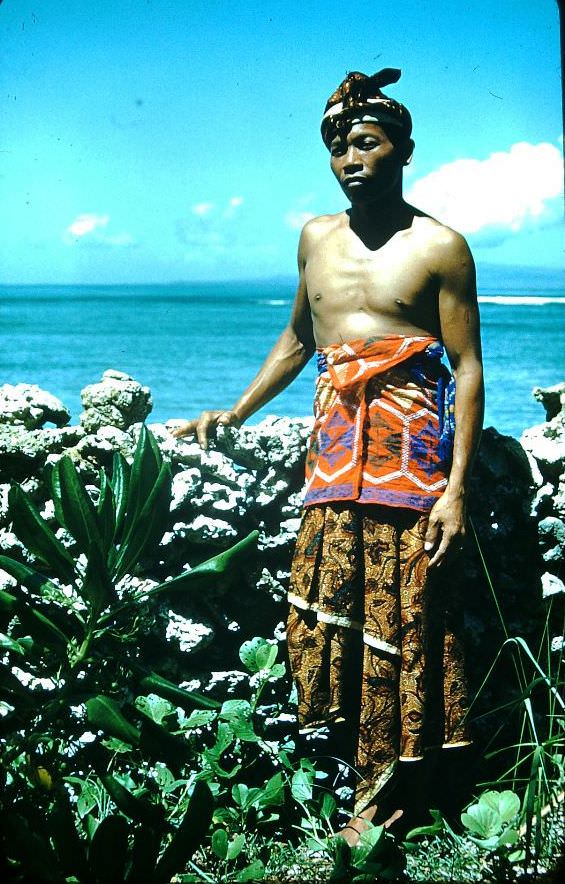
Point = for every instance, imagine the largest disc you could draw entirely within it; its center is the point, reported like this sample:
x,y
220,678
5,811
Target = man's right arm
x,y
286,360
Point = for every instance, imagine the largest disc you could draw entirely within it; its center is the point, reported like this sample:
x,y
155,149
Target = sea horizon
x,y
197,345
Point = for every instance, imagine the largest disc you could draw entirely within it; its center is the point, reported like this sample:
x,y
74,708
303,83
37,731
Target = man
x,y
373,636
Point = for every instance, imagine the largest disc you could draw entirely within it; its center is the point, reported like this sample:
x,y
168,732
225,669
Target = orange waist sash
x,y
377,435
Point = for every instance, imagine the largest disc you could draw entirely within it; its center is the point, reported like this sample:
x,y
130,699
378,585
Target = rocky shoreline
x,y
252,479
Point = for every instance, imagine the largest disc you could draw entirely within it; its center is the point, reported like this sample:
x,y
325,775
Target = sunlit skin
x,y
382,267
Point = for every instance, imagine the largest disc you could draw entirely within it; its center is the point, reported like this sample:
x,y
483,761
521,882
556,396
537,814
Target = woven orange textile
x,y
375,646
378,423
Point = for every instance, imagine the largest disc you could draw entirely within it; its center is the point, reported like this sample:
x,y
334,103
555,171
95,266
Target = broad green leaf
x,y
329,806
199,718
248,653
273,791
33,580
148,527
161,744
277,671
106,512
37,536
74,506
87,799
154,683
371,844
220,843
133,807
96,586
253,872
8,602
204,574
224,740
145,469
105,715
482,820
266,656
189,835
435,828
155,707
42,629
120,485
506,804
239,792
235,846
108,850
9,644
301,786
238,714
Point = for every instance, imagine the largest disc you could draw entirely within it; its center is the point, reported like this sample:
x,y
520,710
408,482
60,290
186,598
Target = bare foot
x,y
358,824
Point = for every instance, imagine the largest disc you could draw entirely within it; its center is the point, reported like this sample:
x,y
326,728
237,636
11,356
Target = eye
x,y
337,148
368,143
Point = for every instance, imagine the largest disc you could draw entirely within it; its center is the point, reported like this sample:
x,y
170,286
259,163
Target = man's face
x,y
366,163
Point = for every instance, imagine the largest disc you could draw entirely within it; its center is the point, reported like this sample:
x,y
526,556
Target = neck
x,y
376,222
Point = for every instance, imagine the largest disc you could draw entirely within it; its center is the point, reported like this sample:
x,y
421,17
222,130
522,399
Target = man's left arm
x,y
460,331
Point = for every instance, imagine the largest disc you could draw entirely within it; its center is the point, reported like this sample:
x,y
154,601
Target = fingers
x,y
202,426
205,420
449,546
186,428
432,537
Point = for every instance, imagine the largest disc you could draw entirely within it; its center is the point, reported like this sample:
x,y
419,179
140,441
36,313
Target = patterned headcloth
x,y
359,97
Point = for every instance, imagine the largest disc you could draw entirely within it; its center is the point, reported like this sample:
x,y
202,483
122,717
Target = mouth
x,y
353,180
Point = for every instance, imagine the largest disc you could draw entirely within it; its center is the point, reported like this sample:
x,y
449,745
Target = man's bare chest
x,y
342,275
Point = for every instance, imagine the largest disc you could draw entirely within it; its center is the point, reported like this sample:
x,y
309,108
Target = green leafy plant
x,y
74,624
376,857
532,766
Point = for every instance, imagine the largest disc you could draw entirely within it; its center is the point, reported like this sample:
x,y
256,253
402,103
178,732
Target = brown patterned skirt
x,y
374,643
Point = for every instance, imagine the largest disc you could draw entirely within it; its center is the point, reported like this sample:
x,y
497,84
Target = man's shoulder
x,y
321,225
435,233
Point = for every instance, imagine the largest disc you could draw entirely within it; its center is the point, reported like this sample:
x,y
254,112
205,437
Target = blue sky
x,y
155,141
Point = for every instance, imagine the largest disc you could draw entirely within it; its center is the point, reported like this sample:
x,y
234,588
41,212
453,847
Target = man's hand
x,y
202,426
446,529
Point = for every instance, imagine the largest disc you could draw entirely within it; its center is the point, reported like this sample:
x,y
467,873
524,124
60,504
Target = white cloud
x,y
90,229
297,219
202,209
233,205
87,223
506,190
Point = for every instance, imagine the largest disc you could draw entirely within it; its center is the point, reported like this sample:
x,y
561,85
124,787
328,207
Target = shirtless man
x,y
374,280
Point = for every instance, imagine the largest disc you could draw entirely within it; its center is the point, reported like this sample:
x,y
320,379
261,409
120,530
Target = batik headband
x,y
359,98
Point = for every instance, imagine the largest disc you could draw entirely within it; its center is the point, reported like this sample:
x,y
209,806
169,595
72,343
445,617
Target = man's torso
x,y
355,291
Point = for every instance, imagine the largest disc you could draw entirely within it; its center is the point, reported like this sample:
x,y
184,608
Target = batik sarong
x,y
383,423
372,641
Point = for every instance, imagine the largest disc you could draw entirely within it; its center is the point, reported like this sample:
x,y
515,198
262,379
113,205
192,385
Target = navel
x,y
400,302
318,297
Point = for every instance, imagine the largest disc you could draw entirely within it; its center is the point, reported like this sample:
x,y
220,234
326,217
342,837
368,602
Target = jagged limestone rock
x,y
552,399
551,585
552,539
116,401
27,405
190,634
24,452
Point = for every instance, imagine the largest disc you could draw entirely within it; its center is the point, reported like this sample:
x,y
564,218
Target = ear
x,y
408,152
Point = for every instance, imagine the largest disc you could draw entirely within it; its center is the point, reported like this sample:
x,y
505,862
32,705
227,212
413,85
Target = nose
x,y
351,160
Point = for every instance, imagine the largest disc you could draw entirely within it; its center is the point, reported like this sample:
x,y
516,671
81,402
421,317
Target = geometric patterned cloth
x,y
374,641
383,423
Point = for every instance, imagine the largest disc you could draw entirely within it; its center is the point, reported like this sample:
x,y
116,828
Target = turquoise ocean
x,y
197,345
